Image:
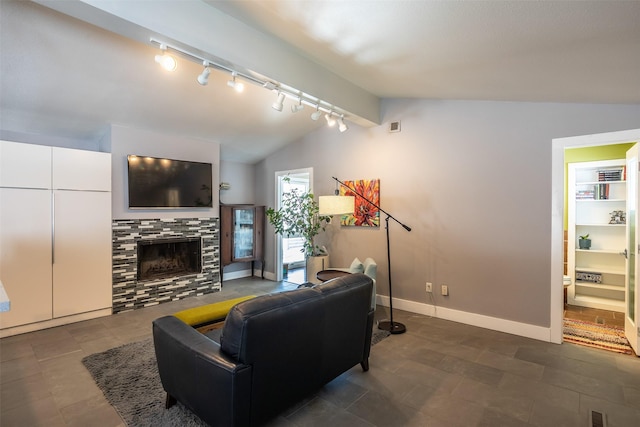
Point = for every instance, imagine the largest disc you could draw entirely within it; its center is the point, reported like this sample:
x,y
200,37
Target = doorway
x,y
559,147
290,261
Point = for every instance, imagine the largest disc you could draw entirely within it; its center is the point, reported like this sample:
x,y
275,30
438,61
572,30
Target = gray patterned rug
x,y
128,377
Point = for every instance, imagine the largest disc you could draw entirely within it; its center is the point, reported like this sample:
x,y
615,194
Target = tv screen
x,y
167,183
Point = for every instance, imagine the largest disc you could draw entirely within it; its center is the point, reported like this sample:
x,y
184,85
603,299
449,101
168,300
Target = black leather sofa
x,y
273,351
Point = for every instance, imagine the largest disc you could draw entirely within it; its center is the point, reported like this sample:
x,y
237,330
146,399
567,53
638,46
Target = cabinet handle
x,y
624,254
53,228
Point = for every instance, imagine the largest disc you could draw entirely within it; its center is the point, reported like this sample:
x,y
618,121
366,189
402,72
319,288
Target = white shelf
x,y
599,200
601,303
591,216
600,286
600,251
593,224
600,270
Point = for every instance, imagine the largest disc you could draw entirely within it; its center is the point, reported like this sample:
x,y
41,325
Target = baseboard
x,y
494,323
236,275
54,322
240,274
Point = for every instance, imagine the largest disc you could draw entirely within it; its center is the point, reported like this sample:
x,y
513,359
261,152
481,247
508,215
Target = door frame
x,y
558,145
631,326
277,202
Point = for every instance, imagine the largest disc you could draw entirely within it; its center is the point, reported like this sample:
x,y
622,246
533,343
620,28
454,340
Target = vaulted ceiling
x,y
69,69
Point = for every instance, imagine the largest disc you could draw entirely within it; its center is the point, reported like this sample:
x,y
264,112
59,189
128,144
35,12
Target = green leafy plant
x,y
298,216
586,236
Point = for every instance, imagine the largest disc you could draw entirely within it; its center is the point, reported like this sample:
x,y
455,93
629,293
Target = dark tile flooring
x,y
439,373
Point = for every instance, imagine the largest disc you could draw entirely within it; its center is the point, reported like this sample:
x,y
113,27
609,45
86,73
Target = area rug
x,y
128,377
597,336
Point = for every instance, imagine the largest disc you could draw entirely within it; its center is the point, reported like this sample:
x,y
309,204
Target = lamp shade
x,y
336,205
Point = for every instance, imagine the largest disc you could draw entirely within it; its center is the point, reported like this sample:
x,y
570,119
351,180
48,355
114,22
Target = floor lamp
x,y
390,325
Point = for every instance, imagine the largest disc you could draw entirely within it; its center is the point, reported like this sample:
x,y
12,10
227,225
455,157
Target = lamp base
x,y
392,327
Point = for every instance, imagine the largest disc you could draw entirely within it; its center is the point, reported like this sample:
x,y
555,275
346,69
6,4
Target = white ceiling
x,y
64,77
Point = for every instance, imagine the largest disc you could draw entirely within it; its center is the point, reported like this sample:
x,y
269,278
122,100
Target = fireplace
x,y
165,258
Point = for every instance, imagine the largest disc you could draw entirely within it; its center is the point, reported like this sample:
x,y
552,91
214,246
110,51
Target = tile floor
x,y
438,373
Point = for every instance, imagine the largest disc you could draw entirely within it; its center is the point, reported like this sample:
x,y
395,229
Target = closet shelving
x,y
596,207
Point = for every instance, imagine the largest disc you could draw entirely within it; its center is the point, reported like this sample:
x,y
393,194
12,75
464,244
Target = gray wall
x,y
472,179
122,141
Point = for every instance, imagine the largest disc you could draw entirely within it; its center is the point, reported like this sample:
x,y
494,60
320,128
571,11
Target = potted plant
x,y
298,216
584,242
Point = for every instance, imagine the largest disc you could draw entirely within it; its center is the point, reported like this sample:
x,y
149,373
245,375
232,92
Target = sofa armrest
x,y
197,373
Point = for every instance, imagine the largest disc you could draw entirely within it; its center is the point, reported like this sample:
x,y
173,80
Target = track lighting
x,y
168,62
238,86
342,126
316,114
279,102
203,78
330,120
297,107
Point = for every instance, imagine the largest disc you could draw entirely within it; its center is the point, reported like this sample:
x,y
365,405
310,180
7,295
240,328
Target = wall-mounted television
x,y
168,183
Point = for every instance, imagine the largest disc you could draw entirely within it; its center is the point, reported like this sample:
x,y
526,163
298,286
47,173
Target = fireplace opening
x,y
163,258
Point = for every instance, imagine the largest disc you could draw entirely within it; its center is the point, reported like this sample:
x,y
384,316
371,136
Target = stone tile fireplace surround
x,y
130,294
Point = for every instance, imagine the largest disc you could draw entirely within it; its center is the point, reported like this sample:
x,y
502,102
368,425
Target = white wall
x,y
123,141
473,181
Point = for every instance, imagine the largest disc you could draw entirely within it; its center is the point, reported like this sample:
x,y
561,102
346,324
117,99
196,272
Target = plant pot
x,y
584,243
314,265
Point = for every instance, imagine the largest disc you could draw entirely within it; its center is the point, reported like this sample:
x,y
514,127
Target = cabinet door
x,y
24,165
82,252
81,170
259,232
25,255
226,230
243,234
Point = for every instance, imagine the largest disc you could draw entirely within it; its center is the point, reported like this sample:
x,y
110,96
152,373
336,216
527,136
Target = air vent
x,y
597,419
394,126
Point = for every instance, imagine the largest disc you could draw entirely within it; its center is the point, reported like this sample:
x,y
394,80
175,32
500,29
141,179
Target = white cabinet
x,y
596,208
55,232
25,255
81,252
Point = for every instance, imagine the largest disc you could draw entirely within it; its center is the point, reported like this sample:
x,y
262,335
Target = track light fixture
x,y
342,126
330,120
297,107
203,78
316,114
167,61
279,102
238,86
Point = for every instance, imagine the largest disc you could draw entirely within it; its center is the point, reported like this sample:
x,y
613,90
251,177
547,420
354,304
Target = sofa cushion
x,y
278,310
356,266
370,268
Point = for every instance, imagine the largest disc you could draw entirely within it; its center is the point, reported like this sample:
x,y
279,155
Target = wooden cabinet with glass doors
x,y
241,234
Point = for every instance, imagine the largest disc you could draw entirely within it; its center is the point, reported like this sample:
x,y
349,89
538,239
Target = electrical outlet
x,y
429,287
445,290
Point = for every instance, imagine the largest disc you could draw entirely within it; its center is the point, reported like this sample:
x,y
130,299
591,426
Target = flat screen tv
x,y
167,183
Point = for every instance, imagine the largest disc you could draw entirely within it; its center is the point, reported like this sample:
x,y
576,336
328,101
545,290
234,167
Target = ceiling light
x,y
330,120
203,78
297,107
316,114
238,86
279,102
342,125
168,62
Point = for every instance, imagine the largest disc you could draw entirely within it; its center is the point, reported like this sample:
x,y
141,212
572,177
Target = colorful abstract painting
x,y
365,214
